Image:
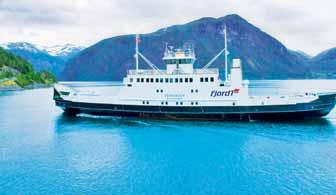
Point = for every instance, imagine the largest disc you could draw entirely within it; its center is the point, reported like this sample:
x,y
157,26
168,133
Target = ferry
x,y
183,92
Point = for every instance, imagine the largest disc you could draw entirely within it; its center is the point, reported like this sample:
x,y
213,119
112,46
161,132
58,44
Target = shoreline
x,y
18,88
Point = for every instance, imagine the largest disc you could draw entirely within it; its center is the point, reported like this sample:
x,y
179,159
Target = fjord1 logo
x,y
216,93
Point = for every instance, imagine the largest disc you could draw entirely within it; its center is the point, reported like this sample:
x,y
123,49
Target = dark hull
x,y
315,109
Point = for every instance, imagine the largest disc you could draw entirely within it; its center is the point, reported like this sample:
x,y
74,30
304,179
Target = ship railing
x,y
160,72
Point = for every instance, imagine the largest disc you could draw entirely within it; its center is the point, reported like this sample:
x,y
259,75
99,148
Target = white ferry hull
x,y
314,109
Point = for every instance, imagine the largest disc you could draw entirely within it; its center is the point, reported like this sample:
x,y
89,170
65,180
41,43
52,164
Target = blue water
x,y
45,152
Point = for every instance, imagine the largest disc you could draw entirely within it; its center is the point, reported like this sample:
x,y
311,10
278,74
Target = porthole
x,y
192,103
166,103
196,103
181,103
177,103
147,102
162,103
234,103
143,102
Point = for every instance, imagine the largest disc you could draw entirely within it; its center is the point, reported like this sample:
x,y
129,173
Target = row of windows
x,y
166,103
179,61
172,80
162,80
207,79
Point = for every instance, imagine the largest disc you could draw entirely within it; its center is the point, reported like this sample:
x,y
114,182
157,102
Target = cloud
x,y
306,26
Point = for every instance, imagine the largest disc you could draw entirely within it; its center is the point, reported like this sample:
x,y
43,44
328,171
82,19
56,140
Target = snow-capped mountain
x,y
52,58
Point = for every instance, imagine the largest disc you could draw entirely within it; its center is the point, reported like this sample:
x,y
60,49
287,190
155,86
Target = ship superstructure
x,y
182,91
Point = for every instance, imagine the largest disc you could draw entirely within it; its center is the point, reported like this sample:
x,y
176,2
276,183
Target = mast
x,y
226,53
137,40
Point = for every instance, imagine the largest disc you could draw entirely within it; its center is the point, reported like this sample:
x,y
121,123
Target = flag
x,y
137,39
236,90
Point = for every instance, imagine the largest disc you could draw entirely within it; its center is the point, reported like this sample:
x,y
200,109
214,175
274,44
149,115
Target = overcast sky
x,y
308,25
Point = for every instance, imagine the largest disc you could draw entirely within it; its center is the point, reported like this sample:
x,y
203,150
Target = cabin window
x,y
138,80
202,79
142,80
156,80
171,80
129,85
161,90
181,80
131,80
157,91
186,80
147,80
152,80
212,79
167,80
206,79
176,80
161,80
196,90
192,91
190,80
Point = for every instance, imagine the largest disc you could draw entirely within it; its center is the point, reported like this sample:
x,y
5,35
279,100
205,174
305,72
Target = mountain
x,y
16,72
263,56
324,64
51,58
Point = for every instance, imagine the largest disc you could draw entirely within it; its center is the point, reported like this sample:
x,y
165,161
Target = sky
x,y
306,25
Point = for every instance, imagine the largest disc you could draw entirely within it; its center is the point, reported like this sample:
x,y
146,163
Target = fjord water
x,y
45,152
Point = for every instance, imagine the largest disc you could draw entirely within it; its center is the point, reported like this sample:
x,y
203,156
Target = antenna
x,y
226,53
137,40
